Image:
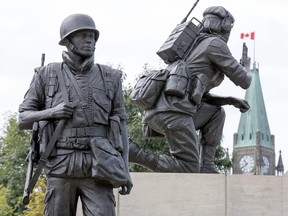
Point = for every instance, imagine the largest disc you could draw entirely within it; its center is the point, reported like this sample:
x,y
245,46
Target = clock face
x,y
265,165
246,164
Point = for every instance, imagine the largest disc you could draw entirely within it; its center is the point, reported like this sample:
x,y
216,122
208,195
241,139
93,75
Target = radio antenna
x,y
185,18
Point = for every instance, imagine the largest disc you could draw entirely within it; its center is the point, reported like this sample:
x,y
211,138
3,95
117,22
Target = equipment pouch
x,y
46,129
108,166
114,134
177,81
148,89
197,87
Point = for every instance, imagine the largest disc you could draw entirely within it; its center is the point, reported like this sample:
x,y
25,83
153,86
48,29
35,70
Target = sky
x,y
131,32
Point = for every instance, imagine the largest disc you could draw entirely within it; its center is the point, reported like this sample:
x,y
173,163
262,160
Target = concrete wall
x,y
174,194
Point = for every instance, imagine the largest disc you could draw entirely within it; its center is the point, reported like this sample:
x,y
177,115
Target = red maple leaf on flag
x,y
248,35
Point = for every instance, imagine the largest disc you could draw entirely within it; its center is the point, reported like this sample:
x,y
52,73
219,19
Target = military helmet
x,y
218,12
76,22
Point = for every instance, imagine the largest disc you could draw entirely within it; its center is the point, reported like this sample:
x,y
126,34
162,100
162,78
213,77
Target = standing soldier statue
x,y
86,100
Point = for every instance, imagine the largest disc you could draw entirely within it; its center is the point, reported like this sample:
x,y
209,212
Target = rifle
x,y
181,39
31,178
33,155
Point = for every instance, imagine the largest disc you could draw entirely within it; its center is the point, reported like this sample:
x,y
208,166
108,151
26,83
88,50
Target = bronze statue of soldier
x,y
94,93
179,118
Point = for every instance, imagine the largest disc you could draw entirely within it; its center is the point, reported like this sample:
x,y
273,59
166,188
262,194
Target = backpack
x,y
148,89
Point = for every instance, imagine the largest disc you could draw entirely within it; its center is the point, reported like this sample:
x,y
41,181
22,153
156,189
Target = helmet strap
x,y
69,45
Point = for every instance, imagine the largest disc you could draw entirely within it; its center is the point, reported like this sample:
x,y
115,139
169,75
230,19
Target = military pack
x,y
181,39
148,88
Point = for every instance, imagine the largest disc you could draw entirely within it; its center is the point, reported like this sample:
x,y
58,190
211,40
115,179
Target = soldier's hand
x,y
241,104
62,111
126,189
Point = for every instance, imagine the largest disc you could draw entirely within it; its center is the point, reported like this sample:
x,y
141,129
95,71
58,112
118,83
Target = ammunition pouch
x,y
177,81
197,87
46,130
114,133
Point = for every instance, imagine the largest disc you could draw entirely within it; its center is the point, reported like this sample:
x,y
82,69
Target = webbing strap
x,y
81,96
42,161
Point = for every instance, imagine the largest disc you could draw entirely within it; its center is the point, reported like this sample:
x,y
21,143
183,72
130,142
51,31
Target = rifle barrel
x,y
42,59
26,193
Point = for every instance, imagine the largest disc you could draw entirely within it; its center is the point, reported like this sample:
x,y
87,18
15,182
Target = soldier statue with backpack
x,y
186,105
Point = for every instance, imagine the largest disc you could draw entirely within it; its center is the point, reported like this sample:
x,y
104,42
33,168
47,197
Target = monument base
x,y
183,194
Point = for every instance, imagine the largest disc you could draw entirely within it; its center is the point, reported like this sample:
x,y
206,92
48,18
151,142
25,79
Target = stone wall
x,y
174,194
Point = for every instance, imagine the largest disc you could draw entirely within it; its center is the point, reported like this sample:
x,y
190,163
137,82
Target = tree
x,y
13,152
4,208
222,160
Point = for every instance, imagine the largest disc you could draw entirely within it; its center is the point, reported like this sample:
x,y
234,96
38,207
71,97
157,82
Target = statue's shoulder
x,y
48,69
109,72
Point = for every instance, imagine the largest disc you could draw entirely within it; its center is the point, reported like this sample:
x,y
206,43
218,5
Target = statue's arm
x,y
28,117
239,103
119,110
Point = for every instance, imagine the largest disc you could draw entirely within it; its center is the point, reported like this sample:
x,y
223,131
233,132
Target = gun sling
x,y
42,161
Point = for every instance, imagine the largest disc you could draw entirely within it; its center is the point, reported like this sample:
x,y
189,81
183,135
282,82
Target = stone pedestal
x,y
175,194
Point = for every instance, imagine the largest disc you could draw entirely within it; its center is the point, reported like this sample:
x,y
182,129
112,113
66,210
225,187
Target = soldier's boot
x,y
208,159
139,156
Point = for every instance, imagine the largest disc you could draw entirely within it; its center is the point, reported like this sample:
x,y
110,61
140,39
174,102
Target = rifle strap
x,y
80,94
42,161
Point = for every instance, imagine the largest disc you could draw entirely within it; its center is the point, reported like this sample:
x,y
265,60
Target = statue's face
x,y
84,41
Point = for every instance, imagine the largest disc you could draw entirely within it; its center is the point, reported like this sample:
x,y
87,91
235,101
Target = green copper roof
x,y
255,119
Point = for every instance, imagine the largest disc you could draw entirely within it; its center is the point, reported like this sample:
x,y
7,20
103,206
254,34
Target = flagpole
x,y
254,52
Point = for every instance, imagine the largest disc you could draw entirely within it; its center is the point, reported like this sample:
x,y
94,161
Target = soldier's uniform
x,y
69,166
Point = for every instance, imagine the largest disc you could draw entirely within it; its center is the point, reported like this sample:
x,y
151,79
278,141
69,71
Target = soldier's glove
x,y
126,189
241,104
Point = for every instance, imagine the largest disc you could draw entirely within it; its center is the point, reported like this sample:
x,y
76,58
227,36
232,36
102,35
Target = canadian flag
x,y
247,35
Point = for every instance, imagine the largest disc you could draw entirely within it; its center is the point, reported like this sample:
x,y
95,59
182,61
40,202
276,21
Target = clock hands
x,y
244,164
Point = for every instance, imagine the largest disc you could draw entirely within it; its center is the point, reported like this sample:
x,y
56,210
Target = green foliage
x,y
222,160
13,151
4,208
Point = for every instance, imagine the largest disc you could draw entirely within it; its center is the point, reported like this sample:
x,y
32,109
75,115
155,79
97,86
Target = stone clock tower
x,y
253,144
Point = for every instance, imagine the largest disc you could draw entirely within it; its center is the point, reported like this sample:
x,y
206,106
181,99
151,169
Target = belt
x,y
73,143
79,138
99,130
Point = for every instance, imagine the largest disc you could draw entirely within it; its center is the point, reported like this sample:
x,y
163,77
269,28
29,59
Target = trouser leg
x,y
182,139
209,119
62,195
138,155
208,162
97,200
